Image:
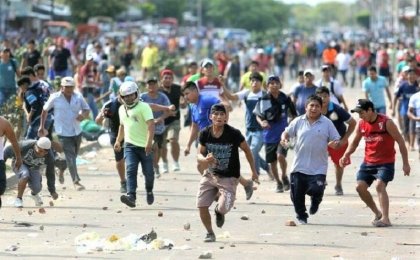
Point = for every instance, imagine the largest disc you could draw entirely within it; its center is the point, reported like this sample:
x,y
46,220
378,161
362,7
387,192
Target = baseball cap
x,y
44,143
257,76
67,82
89,57
166,72
218,108
273,78
363,104
406,68
308,71
152,79
129,78
206,62
325,67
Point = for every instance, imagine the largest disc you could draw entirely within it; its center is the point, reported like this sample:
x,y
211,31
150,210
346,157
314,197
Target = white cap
x,y
308,71
44,143
260,51
206,61
89,57
67,82
405,68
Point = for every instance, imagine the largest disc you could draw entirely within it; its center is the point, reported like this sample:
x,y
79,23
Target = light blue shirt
x,y
311,156
65,113
375,90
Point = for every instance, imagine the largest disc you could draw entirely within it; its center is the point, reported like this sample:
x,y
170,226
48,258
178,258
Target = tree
x,y
248,14
81,9
170,8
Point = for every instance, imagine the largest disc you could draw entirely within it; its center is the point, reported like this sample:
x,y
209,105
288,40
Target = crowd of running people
x,y
313,118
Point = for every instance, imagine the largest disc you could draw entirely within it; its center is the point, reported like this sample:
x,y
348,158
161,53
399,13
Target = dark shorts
x,y
158,140
271,151
418,137
363,71
118,155
369,173
385,72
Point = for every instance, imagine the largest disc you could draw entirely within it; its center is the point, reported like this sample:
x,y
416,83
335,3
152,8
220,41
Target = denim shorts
x,y
369,173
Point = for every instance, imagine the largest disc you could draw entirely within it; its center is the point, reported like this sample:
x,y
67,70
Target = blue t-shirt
x,y
7,75
405,91
200,112
301,94
375,90
338,116
161,99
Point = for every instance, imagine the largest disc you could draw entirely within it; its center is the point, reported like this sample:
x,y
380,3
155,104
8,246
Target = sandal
x,y
376,219
380,223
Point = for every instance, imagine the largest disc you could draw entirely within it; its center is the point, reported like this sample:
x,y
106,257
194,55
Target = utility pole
x,y
52,9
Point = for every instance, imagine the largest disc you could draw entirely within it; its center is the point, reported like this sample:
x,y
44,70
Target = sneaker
x,y
176,167
54,195
339,190
157,172
123,187
286,183
314,208
279,188
79,186
60,177
249,189
18,203
128,200
37,199
165,167
210,237
220,218
150,198
302,221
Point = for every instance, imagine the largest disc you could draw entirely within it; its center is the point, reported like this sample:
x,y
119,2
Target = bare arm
x,y
193,137
150,135
412,115
10,135
41,130
350,129
120,138
248,154
388,94
395,133
351,149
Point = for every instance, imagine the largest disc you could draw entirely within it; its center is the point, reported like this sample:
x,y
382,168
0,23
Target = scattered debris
x,y
187,226
41,227
41,210
160,214
12,248
104,208
290,223
23,224
51,204
245,217
206,255
263,212
30,212
364,233
84,226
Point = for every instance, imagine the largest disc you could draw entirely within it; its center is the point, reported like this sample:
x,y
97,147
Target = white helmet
x,y
128,88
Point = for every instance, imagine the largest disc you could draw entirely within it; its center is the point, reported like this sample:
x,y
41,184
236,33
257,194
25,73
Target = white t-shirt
x,y
415,103
338,89
343,61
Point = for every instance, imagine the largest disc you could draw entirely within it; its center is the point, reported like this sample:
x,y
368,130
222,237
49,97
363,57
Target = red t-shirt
x,y
362,58
212,88
379,147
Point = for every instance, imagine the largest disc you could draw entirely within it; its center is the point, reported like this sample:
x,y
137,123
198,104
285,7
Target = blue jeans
x,y
255,142
32,132
71,146
133,156
88,94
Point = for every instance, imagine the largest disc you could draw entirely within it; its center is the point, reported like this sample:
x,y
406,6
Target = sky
x,y
315,2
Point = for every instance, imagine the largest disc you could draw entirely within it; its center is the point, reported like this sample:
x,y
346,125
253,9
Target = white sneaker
x,y
18,203
37,199
165,167
176,167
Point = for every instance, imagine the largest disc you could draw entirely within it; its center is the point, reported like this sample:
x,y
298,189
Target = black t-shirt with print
x,y
32,57
224,149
